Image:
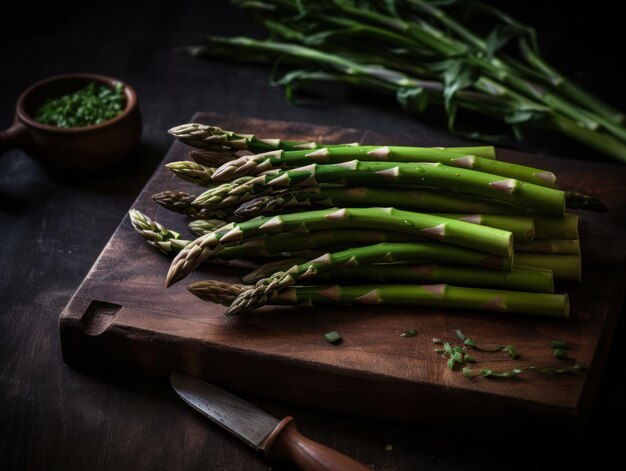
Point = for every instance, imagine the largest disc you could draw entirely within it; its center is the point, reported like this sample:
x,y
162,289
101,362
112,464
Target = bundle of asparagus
x,y
466,56
351,224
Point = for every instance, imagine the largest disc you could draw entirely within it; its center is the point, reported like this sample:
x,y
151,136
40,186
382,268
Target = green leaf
x,y
457,76
451,363
333,337
559,344
412,100
500,37
409,333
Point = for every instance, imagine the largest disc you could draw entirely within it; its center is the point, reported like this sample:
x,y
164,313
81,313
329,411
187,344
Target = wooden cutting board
x,y
123,318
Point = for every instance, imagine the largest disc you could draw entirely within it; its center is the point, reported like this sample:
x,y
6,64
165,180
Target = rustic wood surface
x,y
53,228
122,318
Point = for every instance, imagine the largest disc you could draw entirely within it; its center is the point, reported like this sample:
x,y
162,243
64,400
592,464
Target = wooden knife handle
x,y
288,444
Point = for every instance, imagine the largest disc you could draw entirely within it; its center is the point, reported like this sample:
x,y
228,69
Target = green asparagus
x,y
412,199
456,180
518,279
279,159
434,295
482,238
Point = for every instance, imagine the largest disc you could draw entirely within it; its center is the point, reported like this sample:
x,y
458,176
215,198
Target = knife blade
x,y
277,439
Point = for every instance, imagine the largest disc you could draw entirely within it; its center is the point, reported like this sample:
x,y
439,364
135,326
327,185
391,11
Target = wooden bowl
x,y
81,148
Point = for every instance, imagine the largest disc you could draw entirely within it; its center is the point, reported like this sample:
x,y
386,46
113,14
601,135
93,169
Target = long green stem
x,y
216,139
430,295
481,238
563,266
255,164
456,180
411,199
518,279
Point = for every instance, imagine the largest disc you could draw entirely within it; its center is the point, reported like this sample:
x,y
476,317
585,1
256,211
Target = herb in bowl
x,y
93,104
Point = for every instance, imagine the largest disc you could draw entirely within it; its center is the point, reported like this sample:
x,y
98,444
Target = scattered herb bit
x,y
90,105
559,344
333,337
437,341
488,373
455,355
388,448
465,340
509,349
561,354
409,333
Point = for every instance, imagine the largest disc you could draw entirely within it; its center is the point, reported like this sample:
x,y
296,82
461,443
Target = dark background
x,y
53,227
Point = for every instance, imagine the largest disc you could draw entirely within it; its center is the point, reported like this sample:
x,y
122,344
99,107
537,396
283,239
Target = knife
x,y
278,439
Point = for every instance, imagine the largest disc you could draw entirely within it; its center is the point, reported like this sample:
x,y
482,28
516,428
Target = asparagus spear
x,y
432,295
215,139
564,267
457,180
577,200
193,172
204,226
412,199
549,246
180,202
556,228
156,235
279,159
211,158
482,238
377,253
518,279
522,227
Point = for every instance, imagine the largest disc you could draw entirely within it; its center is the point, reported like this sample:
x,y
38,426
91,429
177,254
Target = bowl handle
x,y
15,137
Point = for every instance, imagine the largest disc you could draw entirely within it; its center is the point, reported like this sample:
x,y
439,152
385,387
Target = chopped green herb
x,y
488,373
510,349
559,344
90,105
333,337
438,341
561,354
409,333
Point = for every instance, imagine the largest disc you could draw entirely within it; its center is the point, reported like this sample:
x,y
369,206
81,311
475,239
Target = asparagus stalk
x,y
204,226
412,199
180,202
549,246
377,253
482,238
522,227
456,180
517,279
215,139
152,231
279,159
211,158
577,200
564,267
431,295
193,172
556,228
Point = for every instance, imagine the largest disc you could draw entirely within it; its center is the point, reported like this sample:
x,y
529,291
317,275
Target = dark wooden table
x,y
53,227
